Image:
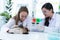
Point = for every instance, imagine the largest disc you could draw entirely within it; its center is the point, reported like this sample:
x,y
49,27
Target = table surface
x,y
30,36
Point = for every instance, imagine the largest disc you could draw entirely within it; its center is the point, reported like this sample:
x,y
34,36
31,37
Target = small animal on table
x,y
18,30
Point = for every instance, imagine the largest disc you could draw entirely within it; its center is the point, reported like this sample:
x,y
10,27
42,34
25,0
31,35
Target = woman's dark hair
x,y
46,23
17,17
48,6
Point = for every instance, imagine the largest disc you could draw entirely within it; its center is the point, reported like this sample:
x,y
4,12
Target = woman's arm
x,y
8,25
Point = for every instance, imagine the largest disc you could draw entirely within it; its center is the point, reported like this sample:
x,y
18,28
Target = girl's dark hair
x,y
48,6
17,17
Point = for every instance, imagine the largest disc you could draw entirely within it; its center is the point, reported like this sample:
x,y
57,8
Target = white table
x,y
30,36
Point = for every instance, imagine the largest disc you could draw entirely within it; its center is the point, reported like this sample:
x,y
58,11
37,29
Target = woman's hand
x,y
41,28
15,26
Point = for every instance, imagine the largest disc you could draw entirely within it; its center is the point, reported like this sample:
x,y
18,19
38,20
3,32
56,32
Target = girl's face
x,y
46,12
23,15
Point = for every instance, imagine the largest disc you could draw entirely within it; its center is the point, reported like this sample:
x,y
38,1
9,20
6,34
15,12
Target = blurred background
x,y
9,8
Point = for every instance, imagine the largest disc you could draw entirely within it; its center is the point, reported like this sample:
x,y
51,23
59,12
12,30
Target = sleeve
x,y
57,25
29,23
8,25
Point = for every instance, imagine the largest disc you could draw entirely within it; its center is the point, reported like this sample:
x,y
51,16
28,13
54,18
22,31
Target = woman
x,y
21,20
51,21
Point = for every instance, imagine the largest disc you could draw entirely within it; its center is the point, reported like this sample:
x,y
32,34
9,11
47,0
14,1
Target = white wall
x,y
30,5
2,6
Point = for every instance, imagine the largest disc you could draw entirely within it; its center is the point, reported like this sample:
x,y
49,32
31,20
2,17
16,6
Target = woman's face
x,y
46,12
23,15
